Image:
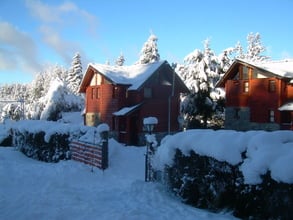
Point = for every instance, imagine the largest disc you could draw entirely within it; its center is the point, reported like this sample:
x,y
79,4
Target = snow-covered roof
x,y
282,68
134,75
150,120
126,110
287,107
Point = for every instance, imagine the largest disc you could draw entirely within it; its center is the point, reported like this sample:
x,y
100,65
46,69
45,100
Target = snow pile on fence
x,y
258,151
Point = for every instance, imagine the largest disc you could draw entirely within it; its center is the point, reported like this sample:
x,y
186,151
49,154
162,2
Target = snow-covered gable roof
x,y
134,75
282,69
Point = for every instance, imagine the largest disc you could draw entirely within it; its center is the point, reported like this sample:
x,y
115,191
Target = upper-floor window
x,y
93,93
236,77
246,86
97,93
245,73
147,92
272,85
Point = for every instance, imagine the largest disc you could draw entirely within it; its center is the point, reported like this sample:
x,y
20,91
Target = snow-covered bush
x,y
5,136
249,173
35,145
207,183
46,140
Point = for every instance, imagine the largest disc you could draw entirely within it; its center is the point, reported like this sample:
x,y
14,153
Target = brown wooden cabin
x,y
259,95
122,96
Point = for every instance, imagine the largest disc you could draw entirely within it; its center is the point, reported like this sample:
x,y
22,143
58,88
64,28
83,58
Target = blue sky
x,y
37,33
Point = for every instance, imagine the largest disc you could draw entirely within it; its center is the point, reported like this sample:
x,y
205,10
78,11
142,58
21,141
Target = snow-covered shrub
x,y
5,134
202,181
35,146
248,173
46,140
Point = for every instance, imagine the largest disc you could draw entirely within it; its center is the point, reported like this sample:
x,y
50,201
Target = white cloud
x,y
65,49
17,49
58,21
42,11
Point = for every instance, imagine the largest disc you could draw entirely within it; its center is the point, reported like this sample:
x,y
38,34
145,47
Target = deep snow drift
x,y
31,189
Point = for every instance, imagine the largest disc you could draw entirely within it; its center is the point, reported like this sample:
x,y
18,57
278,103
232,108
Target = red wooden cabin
x,y
122,96
259,95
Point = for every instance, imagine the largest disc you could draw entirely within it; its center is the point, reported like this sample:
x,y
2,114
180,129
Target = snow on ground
x,y
31,189
72,118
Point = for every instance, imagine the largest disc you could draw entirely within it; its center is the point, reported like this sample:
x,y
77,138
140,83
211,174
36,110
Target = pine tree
x,y
200,72
255,49
149,52
75,75
120,60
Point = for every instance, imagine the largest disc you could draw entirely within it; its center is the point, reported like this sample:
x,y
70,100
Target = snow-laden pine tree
x,y
149,52
53,101
200,72
75,75
39,88
120,60
254,52
255,48
11,96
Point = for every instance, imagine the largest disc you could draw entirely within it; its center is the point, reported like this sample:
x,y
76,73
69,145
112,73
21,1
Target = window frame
x,y
272,85
147,92
245,86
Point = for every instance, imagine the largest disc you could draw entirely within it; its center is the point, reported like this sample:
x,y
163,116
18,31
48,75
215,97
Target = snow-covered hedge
x,y
250,173
46,140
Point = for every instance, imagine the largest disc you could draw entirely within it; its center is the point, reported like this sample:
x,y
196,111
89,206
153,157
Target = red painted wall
x,y
258,98
105,102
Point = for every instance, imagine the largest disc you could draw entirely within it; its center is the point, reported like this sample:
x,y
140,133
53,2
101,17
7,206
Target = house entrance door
x,y
134,130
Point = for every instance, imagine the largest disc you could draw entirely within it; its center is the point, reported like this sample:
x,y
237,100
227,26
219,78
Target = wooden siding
x,y
103,99
258,98
261,93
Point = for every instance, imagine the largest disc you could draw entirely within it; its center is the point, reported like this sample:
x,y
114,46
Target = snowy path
x,y
32,189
